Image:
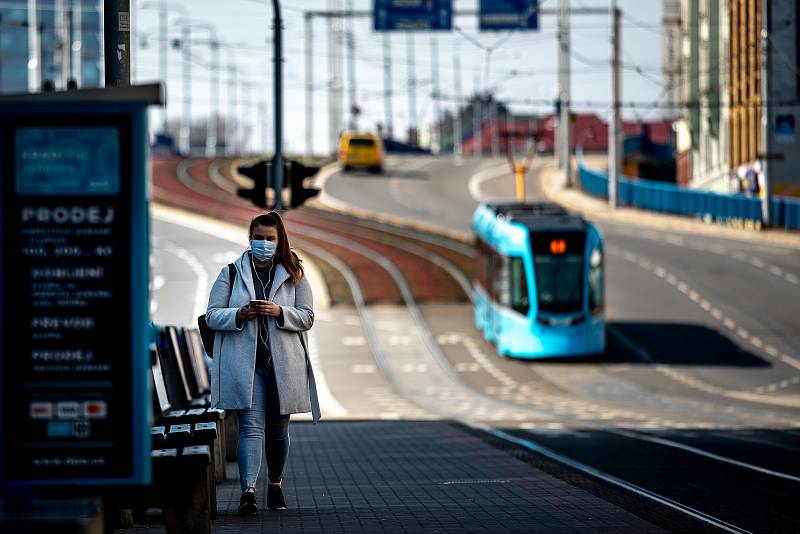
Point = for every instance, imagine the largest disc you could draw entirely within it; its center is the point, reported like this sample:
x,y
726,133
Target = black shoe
x,y
275,498
247,503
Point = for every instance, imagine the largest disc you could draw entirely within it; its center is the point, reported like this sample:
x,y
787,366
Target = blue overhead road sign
x,y
413,15
509,15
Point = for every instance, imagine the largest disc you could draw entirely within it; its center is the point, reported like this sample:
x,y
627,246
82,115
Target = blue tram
x,y
539,285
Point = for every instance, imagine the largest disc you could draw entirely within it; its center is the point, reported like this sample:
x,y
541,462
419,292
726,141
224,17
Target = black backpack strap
x,y
231,279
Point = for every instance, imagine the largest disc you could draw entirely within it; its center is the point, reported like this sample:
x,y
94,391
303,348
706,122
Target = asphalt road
x,y
681,404
709,318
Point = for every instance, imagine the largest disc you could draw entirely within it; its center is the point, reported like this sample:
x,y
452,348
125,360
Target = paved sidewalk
x,y
406,476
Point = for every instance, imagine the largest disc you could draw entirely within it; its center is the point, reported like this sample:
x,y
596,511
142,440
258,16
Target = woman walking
x,y
261,368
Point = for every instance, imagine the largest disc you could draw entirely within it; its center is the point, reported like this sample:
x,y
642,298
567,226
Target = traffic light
x,y
297,173
259,173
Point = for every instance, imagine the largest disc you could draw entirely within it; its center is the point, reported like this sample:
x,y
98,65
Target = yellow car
x,y
361,150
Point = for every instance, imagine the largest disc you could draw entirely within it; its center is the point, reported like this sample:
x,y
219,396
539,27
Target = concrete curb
x,y
578,201
327,202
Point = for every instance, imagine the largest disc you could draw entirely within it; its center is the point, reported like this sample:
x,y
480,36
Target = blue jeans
x,y
262,428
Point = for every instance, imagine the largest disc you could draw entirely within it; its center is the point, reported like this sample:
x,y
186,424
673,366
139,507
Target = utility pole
x,y
564,126
495,122
34,48
231,133
117,42
62,45
263,112
76,27
436,131
309,28
766,119
163,53
412,90
335,94
615,124
186,86
247,130
351,69
277,160
477,119
387,86
213,116
458,148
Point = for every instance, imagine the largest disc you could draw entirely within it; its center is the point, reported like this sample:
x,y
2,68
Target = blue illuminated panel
x,y
67,161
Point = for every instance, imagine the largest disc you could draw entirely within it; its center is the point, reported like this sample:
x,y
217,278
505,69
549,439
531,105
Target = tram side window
x,y
596,283
502,282
482,265
519,286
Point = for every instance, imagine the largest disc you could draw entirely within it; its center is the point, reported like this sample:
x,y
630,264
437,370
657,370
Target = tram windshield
x,y
558,260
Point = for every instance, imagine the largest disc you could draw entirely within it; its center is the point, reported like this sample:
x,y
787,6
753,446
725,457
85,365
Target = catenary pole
x,y
163,55
62,44
117,42
186,86
477,119
77,43
615,124
231,121
436,131
458,148
387,86
412,91
564,125
766,120
277,161
309,38
34,49
351,68
212,126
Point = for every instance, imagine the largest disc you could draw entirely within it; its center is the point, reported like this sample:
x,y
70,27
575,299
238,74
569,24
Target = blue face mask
x,y
262,249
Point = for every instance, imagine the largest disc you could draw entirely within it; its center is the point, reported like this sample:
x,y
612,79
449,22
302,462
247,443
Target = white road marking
x,y
222,258
399,340
731,325
353,341
201,288
363,369
327,402
484,175
448,339
220,181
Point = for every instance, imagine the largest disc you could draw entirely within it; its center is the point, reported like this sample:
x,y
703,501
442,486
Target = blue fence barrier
x,y
670,198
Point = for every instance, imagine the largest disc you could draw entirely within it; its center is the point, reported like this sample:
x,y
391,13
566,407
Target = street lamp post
x,y
277,26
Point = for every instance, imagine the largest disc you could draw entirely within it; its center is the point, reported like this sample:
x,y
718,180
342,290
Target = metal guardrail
x,y
670,198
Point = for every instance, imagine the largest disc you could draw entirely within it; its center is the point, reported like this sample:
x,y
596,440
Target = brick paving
x,y
406,476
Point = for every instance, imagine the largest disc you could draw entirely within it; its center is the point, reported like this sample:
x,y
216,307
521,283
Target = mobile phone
x,y
253,303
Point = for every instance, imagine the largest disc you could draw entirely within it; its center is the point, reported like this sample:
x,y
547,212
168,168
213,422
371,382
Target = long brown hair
x,y
284,255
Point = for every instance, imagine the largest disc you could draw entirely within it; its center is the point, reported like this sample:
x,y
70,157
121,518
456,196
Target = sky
x,y
522,66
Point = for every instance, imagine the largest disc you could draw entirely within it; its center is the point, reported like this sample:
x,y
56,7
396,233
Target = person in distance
x,y
261,367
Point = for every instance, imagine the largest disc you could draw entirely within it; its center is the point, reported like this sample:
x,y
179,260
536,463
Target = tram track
x,y
208,189
315,233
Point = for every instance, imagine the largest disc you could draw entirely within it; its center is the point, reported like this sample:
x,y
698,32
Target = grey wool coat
x,y
233,368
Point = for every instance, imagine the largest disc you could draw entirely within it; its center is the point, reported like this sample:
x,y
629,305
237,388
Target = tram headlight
x,y
596,258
